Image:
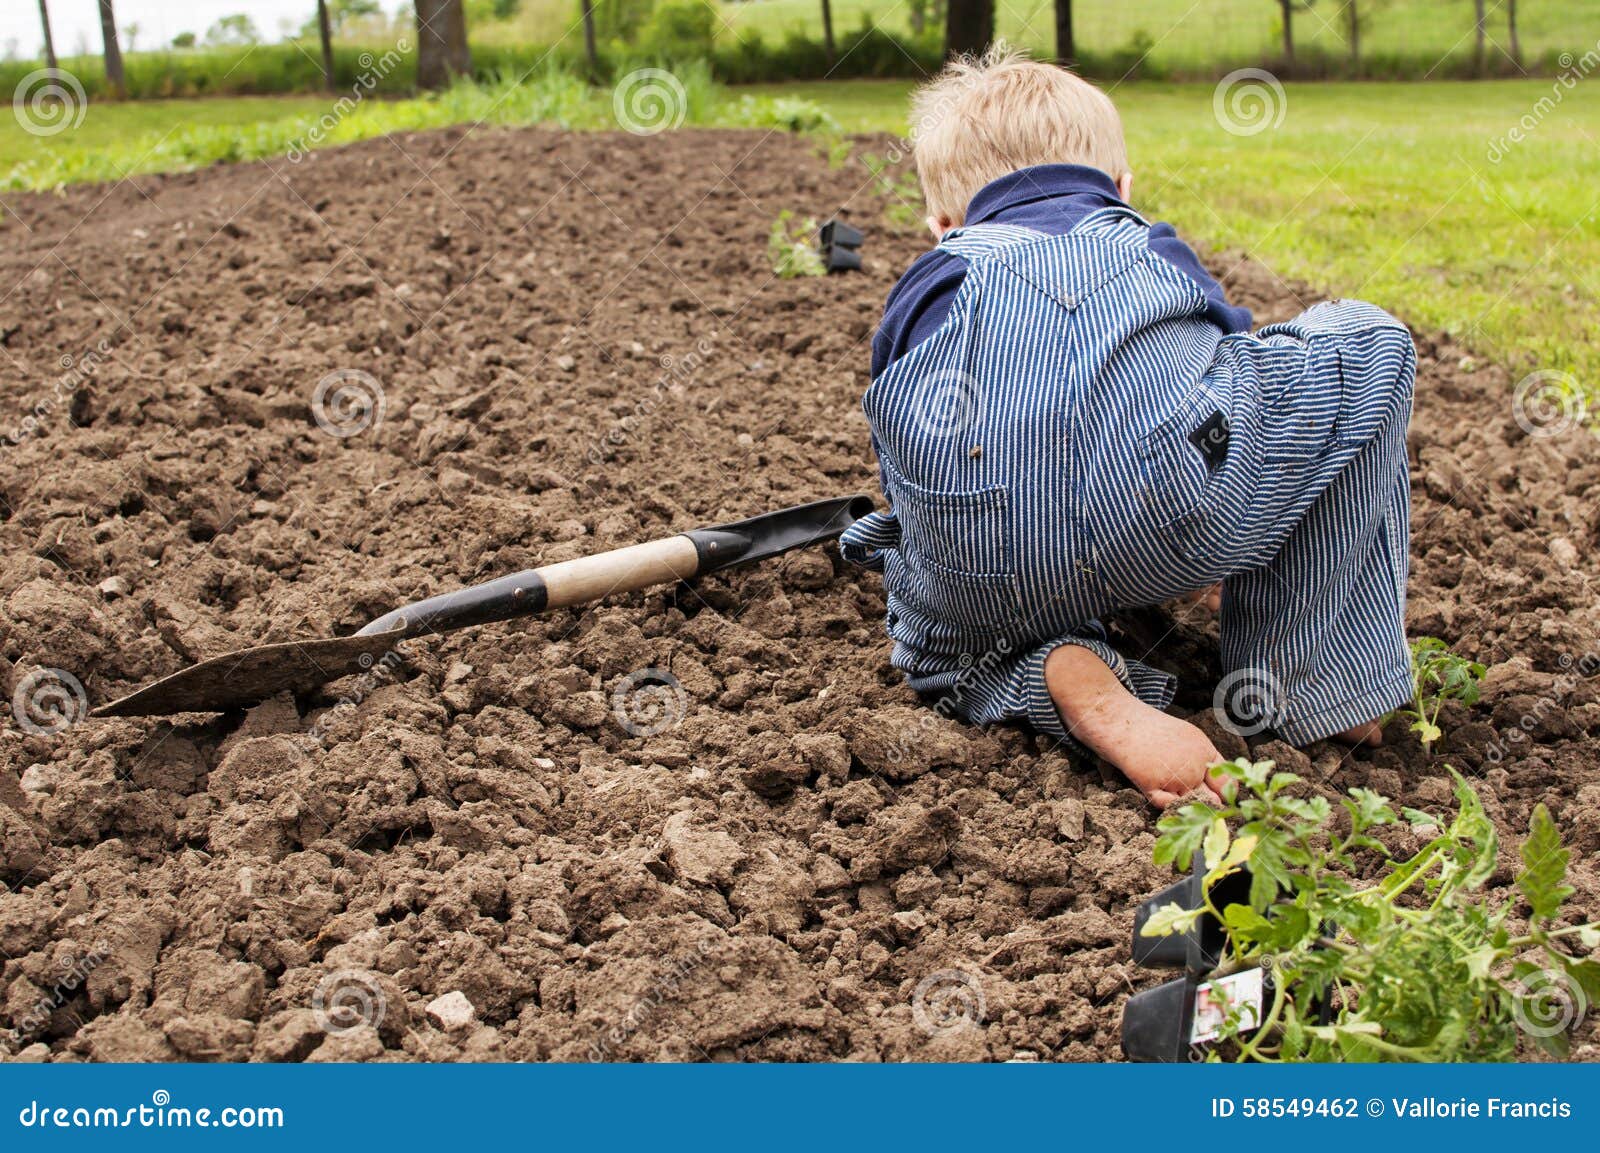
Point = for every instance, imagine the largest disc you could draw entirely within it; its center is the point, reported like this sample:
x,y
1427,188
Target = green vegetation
x,y
1165,37
792,248
1439,675
748,41
1416,963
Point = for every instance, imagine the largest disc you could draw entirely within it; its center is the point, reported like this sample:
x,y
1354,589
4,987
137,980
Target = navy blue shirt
x,y
1048,198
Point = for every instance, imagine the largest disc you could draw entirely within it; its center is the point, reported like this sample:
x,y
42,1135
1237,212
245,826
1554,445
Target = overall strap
x,y
978,240
1114,221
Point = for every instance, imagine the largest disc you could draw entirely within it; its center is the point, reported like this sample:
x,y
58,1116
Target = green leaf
x,y
1481,962
1181,834
1216,843
1426,731
1589,936
1243,921
1544,867
1367,809
1584,974
1170,919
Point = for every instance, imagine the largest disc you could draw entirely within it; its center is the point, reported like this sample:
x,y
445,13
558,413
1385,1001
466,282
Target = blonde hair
x,y
983,117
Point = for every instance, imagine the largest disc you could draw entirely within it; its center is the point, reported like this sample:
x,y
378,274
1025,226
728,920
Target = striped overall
x,y
1078,439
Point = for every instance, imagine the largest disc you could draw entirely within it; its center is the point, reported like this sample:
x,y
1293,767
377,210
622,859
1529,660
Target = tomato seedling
x,y
1439,675
1416,963
792,250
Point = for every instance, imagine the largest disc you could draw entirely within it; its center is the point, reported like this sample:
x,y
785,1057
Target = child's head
x,y
982,118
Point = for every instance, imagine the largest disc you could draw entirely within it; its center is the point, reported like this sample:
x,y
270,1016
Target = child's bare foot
x,y
1368,733
1208,598
1165,758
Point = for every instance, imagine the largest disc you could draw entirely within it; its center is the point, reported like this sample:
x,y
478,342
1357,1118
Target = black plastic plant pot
x,y
837,232
1182,1019
841,259
1157,1022
1201,948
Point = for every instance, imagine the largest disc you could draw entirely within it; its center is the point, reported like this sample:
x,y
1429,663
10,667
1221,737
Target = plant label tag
x,y
1238,996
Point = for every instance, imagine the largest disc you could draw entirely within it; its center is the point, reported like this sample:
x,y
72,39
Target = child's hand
x,y
1163,756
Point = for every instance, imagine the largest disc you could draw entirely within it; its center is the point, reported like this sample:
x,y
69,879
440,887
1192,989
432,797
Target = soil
x,y
775,854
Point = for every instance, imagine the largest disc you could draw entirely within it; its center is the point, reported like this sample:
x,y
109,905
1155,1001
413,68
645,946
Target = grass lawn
x,y
112,128
1385,192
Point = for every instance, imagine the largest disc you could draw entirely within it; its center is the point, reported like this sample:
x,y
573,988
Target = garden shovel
x,y
249,676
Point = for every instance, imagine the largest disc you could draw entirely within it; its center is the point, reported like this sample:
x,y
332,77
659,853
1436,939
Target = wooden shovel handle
x,y
623,570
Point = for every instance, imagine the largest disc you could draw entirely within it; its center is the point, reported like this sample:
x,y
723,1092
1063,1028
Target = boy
x,y
1071,420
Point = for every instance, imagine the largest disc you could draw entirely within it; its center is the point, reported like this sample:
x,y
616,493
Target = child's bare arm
x,y
1163,756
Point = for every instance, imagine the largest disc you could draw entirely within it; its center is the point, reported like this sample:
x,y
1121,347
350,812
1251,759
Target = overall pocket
x,y
1301,402
1197,479
956,551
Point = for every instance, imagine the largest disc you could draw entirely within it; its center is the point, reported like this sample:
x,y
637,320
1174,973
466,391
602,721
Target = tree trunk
x,y
459,53
49,41
442,51
827,30
1352,15
1511,28
590,52
1066,51
968,27
325,31
115,78
1287,7
1478,32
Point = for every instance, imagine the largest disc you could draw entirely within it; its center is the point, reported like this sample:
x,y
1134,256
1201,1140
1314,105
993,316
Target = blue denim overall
x,y
1078,439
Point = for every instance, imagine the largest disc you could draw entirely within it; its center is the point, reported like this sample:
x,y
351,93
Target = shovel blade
x,y
249,676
